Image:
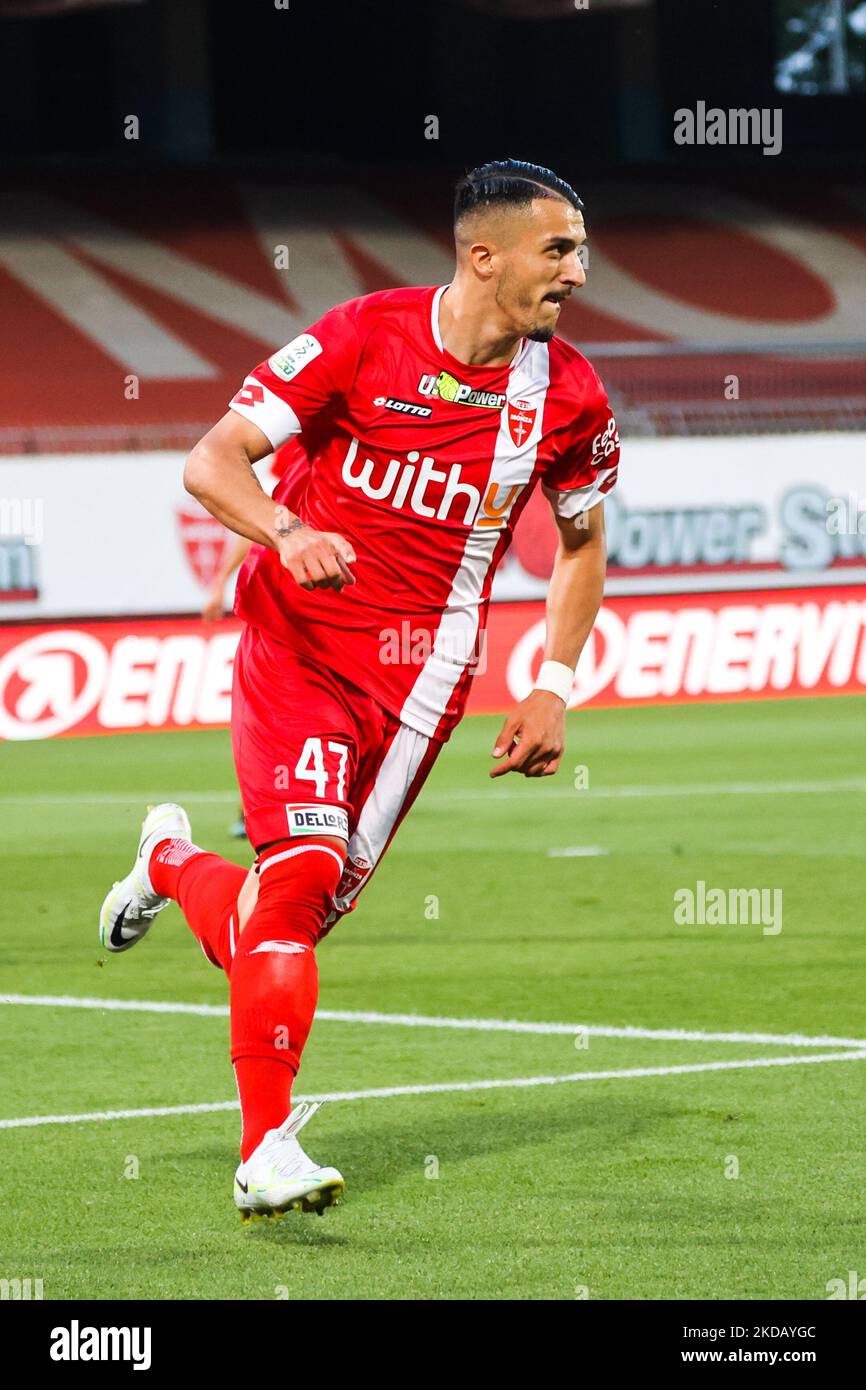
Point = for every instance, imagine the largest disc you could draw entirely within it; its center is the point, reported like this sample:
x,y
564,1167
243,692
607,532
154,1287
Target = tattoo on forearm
x,y
283,526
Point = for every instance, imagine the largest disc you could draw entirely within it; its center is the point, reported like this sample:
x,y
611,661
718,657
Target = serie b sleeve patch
x,y
295,356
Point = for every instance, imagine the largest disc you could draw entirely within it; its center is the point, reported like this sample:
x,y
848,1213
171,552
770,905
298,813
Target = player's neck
x,y
471,333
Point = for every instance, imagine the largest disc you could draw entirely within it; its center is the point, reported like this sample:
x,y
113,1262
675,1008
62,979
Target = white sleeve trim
x,y
262,470
569,504
274,417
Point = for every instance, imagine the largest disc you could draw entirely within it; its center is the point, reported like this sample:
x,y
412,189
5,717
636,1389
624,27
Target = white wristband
x,y
556,677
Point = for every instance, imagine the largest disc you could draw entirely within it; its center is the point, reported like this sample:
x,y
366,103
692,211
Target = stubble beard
x,y
520,306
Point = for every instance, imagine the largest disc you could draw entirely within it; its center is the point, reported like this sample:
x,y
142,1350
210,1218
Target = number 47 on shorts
x,y
328,776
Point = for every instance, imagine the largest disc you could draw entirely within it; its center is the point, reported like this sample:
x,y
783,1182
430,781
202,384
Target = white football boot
x,y
132,903
279,1177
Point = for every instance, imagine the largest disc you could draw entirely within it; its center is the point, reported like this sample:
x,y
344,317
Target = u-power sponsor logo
x,y
448,388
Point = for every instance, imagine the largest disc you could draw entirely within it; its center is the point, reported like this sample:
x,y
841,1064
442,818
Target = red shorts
x,y
315,755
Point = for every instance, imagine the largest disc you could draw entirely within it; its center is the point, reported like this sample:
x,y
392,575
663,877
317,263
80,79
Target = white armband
x,y
556,677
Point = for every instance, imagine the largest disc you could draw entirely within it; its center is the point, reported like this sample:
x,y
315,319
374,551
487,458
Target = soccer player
x,y
429,415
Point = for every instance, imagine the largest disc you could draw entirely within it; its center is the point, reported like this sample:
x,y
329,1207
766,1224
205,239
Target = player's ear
x,y
481,255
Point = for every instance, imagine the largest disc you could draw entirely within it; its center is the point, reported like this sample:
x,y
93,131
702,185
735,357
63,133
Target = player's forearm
x,y
574,598
222,479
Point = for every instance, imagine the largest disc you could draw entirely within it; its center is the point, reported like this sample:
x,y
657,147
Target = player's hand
x,y
212,609
317,559
532,739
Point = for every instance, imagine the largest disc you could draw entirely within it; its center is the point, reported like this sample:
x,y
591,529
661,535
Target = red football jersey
x,y
424,464
289,471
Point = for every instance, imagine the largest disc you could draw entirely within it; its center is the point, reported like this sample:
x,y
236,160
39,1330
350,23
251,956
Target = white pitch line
x,y
853,784
576,852
596,1030
441,1088
131,798
30,1121
136,1006
500,796
481,1025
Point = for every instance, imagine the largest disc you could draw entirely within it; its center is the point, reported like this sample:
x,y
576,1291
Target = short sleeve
x,y
286,392
586,468
265,474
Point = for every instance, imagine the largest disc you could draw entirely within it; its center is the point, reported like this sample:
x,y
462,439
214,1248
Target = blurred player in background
x,y
429,416
293,463
214,606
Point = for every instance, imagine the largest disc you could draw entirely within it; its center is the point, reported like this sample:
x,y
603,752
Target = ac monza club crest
x,y
521,418
205,541
354,872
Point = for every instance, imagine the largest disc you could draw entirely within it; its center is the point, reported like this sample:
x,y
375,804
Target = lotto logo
x,y
403,407
250,394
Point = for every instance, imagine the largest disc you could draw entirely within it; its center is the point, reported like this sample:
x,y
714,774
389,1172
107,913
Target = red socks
x,y
205,887
275,982
271,964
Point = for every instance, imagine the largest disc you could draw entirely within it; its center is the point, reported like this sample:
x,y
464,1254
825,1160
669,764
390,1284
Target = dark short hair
x,y
509,182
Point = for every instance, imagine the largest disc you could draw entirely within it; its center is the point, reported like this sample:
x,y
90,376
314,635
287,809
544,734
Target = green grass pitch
x,y
740,1183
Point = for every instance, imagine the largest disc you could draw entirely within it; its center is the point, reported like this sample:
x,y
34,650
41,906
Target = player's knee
x,y
297,881
247,898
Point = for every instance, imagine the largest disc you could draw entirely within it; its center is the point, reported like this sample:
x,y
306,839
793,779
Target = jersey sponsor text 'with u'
x,y
405,484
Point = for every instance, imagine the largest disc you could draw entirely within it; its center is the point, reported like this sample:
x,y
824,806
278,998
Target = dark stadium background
x,y
222,80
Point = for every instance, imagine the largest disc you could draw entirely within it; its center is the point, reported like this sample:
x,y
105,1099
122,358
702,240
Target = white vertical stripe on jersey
x,y
434,317
384,803
437,336
457,633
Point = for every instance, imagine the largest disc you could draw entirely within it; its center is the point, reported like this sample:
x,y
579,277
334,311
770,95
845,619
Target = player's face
x,y
540,267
